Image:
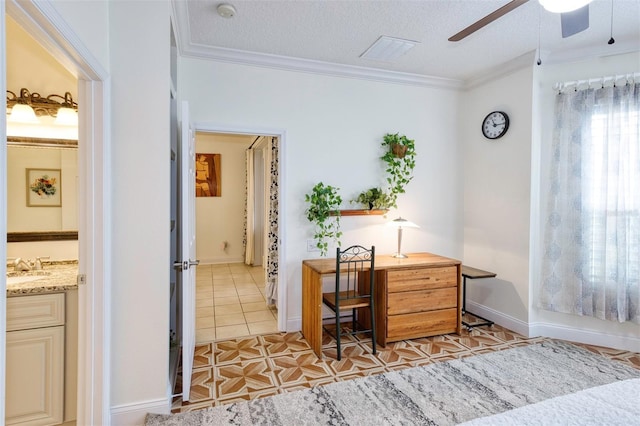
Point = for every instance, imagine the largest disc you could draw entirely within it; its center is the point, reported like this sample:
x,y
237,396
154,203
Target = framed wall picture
x,y
44,187
208,175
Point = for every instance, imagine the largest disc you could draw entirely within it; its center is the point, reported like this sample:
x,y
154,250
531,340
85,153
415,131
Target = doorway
x,y
39,20
238,238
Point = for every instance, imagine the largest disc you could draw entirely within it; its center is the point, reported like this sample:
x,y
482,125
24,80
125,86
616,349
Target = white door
x,y
187,236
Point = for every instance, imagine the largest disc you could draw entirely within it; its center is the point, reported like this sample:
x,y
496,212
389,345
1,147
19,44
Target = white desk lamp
x,y
401,223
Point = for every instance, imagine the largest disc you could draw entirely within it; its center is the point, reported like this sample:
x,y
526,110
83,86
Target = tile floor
x,y
230,302
252,367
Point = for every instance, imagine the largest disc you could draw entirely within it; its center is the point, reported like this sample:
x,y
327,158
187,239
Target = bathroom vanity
x,y
41,345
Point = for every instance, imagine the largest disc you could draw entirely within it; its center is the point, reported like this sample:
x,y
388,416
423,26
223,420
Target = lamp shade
x,y
400,224
562,6
22,113
67,117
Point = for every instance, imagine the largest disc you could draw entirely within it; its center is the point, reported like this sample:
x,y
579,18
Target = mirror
x,y
42,189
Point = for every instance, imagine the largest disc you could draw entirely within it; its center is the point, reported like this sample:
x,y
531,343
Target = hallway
x,y
230,302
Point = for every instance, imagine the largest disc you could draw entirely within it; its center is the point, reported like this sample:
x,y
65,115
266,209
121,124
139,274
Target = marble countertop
x,y
55,276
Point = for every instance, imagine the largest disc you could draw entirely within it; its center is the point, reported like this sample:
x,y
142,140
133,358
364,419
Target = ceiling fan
x,y
572,22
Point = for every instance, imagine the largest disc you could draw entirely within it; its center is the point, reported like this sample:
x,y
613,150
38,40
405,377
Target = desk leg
x,y
464,310
464,295
312,309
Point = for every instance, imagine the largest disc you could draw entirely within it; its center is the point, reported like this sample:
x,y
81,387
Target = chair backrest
x,y
350,263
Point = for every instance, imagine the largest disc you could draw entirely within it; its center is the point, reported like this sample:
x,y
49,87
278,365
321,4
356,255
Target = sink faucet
x,y
20,265
38,265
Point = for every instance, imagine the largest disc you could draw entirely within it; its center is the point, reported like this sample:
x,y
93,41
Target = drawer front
x,y
420,301
432,323
43,310
421,278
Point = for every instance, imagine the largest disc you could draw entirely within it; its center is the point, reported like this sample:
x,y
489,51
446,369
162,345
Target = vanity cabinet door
x,y
35,381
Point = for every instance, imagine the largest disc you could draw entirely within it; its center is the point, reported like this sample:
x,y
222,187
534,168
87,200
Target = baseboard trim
x,y
589,337
134,414
556,331
294,324
500,318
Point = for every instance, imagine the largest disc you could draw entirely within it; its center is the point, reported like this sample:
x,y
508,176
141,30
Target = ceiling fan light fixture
x,y
388,49
563,6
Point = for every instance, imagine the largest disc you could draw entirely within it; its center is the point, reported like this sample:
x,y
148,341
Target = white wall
x,y
131,40
565,326
30,66
334,127
221,219
139,65
90,21
496,198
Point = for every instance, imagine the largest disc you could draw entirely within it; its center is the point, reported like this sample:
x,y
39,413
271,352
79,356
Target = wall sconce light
x,y
27,107
401,223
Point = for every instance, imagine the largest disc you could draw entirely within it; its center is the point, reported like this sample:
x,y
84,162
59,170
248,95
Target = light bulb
x,y
22,113
67,117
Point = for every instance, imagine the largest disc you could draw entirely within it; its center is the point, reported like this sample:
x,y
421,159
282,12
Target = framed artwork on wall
x,y
44,187
208,175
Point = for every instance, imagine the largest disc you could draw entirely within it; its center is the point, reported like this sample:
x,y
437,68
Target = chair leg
x,y
354,326
338,334
373,329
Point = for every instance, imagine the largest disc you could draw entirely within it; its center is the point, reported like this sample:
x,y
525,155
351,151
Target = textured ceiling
x,y
339,31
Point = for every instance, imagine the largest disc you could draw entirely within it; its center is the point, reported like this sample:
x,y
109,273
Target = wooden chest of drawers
x,y
417,302
417,296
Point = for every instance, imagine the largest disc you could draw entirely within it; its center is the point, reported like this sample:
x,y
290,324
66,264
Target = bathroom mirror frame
x,y
15,237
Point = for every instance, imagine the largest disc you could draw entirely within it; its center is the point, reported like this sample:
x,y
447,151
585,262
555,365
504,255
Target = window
x,y
591,264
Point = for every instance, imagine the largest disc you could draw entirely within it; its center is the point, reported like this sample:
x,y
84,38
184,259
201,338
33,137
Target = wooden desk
x,y
472,274
415,297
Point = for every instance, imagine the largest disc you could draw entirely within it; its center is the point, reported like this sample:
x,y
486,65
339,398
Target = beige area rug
x,y
444,393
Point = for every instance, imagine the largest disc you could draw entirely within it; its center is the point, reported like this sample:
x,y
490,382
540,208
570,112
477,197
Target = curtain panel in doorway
x,y
249,213
271,292
271,225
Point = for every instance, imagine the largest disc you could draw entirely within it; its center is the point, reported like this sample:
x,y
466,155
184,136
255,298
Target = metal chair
x,y
354,291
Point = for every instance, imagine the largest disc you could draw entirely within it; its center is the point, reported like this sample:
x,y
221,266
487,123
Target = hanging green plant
x,y
400,158
323,212
374,198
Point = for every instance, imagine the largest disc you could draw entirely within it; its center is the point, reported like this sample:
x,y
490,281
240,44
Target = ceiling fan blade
x,y
575,21
487,19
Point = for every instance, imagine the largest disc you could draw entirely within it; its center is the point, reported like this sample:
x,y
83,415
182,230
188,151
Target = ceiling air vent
x,y
388,49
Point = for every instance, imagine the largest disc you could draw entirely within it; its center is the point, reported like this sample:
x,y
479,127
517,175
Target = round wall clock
x,y
495,125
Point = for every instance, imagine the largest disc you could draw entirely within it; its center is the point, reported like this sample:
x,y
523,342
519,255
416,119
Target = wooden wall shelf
x,y
362,212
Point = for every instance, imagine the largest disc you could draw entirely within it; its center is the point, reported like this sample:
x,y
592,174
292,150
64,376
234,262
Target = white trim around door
x,y
208,127
41,19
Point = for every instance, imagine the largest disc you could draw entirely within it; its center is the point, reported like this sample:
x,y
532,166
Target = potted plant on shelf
x,y
323,212
400,157
374,198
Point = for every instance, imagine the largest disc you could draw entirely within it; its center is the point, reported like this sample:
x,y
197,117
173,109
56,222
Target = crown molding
x,y
188,49
523,61
316,67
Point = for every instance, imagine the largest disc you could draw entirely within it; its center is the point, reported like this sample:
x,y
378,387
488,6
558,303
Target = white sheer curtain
x,y
249,210
591,264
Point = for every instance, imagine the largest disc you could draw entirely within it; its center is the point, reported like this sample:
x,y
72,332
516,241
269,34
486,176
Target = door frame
x,y
210,127
46,26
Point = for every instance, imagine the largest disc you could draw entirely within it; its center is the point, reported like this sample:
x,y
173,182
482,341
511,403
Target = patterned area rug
x,y
443,393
